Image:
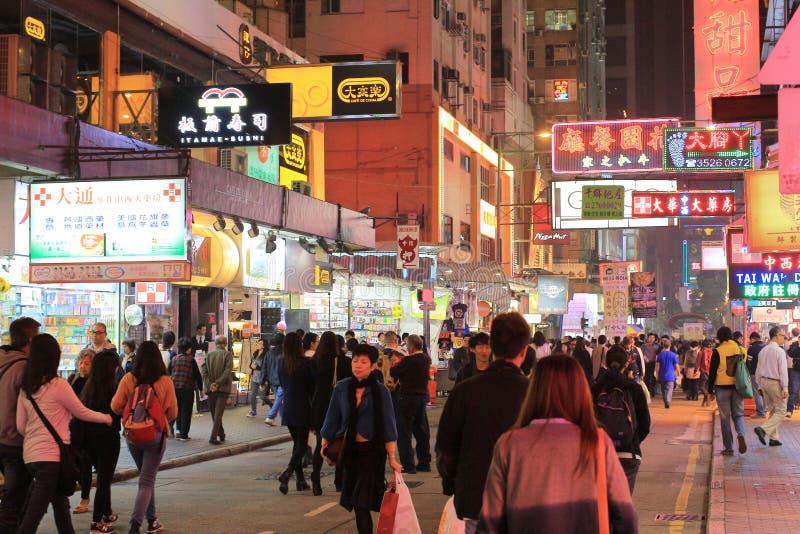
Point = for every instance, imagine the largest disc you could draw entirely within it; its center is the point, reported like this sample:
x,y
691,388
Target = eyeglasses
x,y
98,332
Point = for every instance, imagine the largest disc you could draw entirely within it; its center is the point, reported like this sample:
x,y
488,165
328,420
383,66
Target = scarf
x,y
377,407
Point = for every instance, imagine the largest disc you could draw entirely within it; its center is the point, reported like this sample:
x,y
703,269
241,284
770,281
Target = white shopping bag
x,y
450,523
405,517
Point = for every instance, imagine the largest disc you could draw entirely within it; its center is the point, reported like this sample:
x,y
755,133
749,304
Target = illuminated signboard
x,y
708,149
617,274
35,28
683,204
603,202
553,294
726,51
560,90
245,44
294,158
760,276
567,202
342,91
773,220
232,115
609,146
488,221
99,230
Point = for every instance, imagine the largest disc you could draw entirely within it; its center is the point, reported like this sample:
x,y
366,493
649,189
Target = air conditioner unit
x,y
302,187
450,74
468,90
233,159
486,107
538,100
461,16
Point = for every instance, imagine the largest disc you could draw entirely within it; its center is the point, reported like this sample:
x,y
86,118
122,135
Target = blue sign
x,y
553,294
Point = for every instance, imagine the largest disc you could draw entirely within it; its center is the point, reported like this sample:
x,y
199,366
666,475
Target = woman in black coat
x,y
297,381
584,358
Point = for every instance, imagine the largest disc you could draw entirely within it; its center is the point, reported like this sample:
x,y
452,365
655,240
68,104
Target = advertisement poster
x,y
407,246
773,220
603,202
694,331
643,295
553,295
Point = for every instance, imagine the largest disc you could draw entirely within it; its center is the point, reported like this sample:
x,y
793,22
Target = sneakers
x,y
775,443
270,422
100,528
251,413
154,526
742,444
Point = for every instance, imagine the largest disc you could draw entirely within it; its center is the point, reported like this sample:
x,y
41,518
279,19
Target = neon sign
x,y
762,276
714,149
609,146
647,204
560,90
726,44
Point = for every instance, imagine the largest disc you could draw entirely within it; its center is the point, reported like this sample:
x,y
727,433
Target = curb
x,y
715,520
205,456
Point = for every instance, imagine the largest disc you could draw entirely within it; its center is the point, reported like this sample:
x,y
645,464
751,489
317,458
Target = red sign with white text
x,y
726,51
609,146
152,293
648,204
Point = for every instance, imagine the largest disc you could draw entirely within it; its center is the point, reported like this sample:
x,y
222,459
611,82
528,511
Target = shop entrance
x,y
198,305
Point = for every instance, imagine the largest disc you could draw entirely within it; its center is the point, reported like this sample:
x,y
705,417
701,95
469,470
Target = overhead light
x,y
253,231
324,245
238,226
366,210
271,244
308,246
220,224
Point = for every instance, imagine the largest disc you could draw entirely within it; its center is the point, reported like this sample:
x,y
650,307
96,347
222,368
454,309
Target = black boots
x,y
316,487
308,457
284,480
302,485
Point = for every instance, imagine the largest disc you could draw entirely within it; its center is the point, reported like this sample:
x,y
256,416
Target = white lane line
x,y
317,511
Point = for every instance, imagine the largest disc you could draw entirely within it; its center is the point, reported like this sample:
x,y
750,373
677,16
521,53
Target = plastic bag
x,y
450,523
397,515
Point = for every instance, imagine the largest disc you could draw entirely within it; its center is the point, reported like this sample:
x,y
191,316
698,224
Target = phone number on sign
x,y
727,163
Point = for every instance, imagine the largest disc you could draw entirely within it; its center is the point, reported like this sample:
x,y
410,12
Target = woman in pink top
x,y
40,452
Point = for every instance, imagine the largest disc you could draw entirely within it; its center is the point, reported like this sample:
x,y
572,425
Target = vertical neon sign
x,y
726,49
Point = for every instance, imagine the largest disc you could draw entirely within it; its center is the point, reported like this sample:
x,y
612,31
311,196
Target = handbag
x,y
68,467
333,450
743,384
397,515
602,491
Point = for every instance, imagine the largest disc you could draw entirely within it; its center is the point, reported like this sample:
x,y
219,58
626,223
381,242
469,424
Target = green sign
x,y
603,202
708,149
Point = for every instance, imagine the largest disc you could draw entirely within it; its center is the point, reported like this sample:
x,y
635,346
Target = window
x,y
465,161
559,19
339,6
435,75
531,56
616,51
447,149
436,9
485,184
488,249
402,57
465,234
617,98
615,12
529,21
341,58
560,55
447,230
331,6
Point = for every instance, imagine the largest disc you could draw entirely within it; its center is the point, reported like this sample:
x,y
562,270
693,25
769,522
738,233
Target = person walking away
x,y
45,396
324,365
704,365
12,368
636,363
650,351
256,370
526,488
667,370
722,387
773,377
148,370
690,371
540,345
271,375
77,381
480,347
100,443
297,380
599,356
361,411
216,371
793,352
752,364
621,395
476,414
584,358
412,373
168,347
186,378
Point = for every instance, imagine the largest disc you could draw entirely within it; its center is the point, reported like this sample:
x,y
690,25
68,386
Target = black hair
x,y
616,358
148,365
308,339
774,331
42,365
350,333
131,344
184,344
539,339
293,355
602,339
510,334
481,338
724,334
102,381
199,326
22,330
369,351
168,340
327,348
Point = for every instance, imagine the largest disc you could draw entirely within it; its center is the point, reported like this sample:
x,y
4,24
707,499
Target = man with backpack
x,y
793,360
621,409
16,477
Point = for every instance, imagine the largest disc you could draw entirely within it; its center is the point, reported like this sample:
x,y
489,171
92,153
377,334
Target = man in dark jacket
x,y
477,412
752,364
482,351
412,374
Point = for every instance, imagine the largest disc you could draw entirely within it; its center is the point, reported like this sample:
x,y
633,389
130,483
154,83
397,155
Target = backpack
x,y
615,414
691,359
794,354
143,417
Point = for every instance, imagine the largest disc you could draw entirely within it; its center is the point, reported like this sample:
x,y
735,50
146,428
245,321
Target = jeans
x,y
730,404
631,468
760,410
147,457
103,453
44,491
794,389
415,418
185,402
277,406
17,482
667,386
216,403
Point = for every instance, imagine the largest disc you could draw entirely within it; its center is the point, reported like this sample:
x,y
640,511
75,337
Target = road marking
x,y
688,481
267,532
317,511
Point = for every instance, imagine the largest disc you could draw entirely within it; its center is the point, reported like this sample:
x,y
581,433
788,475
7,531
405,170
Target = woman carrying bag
x,y
555,470
45,406
361,416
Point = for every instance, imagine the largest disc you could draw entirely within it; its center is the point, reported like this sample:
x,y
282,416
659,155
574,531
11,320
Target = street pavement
x,y
756,492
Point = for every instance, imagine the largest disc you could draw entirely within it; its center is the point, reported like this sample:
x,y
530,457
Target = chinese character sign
x,y
108,221
726,51
608,146
560,90
617,274
773,220
643,295
708,149
407,246
603,202
234,115
647,204
771,275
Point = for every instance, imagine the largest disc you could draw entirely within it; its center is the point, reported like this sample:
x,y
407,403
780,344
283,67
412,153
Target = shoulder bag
x,y
68,467
743,384
602,486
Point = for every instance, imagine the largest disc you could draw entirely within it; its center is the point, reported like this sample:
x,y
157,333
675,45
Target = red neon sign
x,y
651,204
609,146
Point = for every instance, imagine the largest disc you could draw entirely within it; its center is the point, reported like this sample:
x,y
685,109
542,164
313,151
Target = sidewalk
x,y
760,490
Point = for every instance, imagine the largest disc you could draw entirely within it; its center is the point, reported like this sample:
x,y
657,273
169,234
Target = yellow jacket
x,y
729,355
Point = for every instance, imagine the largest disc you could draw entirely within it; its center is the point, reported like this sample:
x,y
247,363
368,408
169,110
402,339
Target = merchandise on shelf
x,y
371,317
323,316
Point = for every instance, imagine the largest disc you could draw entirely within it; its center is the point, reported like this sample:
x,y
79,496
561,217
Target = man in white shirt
x,y
773,381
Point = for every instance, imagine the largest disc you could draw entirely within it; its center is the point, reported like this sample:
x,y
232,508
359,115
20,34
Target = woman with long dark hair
x,y
361,410
323,364
540,345
148,369
297,381
547,468
54,397
100,442
584,358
